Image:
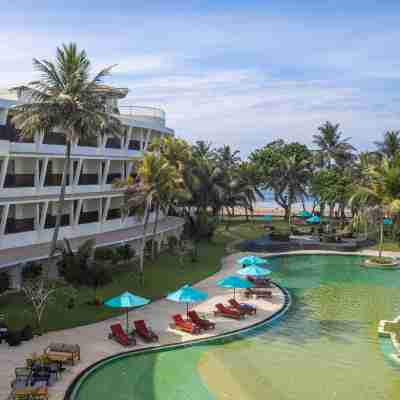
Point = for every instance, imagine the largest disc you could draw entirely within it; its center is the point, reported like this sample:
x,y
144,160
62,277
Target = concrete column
x,y
78,212
43,215
100,172
148,135
106,209
3,220
15,274
128,138
129,169
78,172
106,171
37,217
43,172
3,171
36,173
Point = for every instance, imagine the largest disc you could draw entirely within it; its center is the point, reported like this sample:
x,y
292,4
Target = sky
x,y
241,73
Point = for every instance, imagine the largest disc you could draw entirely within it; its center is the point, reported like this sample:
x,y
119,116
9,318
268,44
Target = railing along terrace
x,y
142,112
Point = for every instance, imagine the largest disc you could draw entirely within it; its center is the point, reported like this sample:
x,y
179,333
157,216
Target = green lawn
x,y
161,277
388,245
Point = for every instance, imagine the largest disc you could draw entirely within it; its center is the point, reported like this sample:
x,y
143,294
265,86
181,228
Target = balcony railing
x,y
146,114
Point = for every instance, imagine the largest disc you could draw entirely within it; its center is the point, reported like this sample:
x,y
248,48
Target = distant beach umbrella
x,y
314,220
234,282
265,218
126,300
187,294
254,270
253,260
304,214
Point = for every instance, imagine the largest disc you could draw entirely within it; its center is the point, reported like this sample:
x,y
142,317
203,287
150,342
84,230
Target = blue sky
x,y
240,73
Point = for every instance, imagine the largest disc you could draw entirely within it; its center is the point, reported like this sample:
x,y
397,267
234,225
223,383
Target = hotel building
x,y
30,177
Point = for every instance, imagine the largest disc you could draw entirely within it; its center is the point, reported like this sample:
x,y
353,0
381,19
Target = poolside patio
x,y
95,345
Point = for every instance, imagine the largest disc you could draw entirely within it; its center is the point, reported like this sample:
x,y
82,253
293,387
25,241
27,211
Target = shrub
x,y
32,270
4,282
125,252
105,254
14,338
280,236
172,243
380,260
27,333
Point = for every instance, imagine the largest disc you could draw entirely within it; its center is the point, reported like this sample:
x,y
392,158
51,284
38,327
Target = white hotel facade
x,y
30,177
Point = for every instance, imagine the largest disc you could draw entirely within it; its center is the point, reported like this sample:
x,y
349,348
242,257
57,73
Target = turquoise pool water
x,y
326,347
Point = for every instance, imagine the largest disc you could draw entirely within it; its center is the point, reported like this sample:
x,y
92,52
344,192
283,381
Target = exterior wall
x,y
31,173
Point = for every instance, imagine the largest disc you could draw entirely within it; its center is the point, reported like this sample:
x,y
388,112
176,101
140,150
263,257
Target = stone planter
x,y
371,264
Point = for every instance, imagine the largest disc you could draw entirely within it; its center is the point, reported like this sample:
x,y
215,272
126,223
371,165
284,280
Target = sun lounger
x,y
118,334
144,331
258,293
70,352
259,282
223,311
185,326
201,322
246,308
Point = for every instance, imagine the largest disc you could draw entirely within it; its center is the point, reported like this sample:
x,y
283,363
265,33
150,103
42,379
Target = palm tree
x,y
155,188
66,97
332,147
250,180
390,146
291,176
380,192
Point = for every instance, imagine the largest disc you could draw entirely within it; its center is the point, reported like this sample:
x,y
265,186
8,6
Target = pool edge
x,y
73,388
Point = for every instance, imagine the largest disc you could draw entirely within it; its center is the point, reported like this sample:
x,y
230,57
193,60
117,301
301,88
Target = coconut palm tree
x,y
332,146
66,98
390,146
291,175
156,186
380,192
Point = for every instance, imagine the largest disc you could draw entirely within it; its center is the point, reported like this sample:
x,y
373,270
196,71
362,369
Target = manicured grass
x,y
388,245
161,277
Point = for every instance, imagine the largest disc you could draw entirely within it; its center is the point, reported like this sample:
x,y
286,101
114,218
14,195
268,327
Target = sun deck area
x,y
96,346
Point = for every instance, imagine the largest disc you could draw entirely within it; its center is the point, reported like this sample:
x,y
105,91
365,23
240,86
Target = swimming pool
x,y
326,347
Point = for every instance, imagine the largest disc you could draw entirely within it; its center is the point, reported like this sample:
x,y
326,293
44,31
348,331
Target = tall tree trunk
x,y
380,238
153,246
143,244
290,201
61,200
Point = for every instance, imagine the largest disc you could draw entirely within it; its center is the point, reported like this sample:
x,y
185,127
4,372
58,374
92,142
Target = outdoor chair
x,y
118,334
259,282
201,322
144,331
258,293
185,326
226,312
246,308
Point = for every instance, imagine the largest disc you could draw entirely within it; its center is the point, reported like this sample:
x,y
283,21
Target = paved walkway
x,y
95,345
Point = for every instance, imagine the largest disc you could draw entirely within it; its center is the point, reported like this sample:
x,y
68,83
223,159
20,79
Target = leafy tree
x,y
285,169
66,98
380,192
